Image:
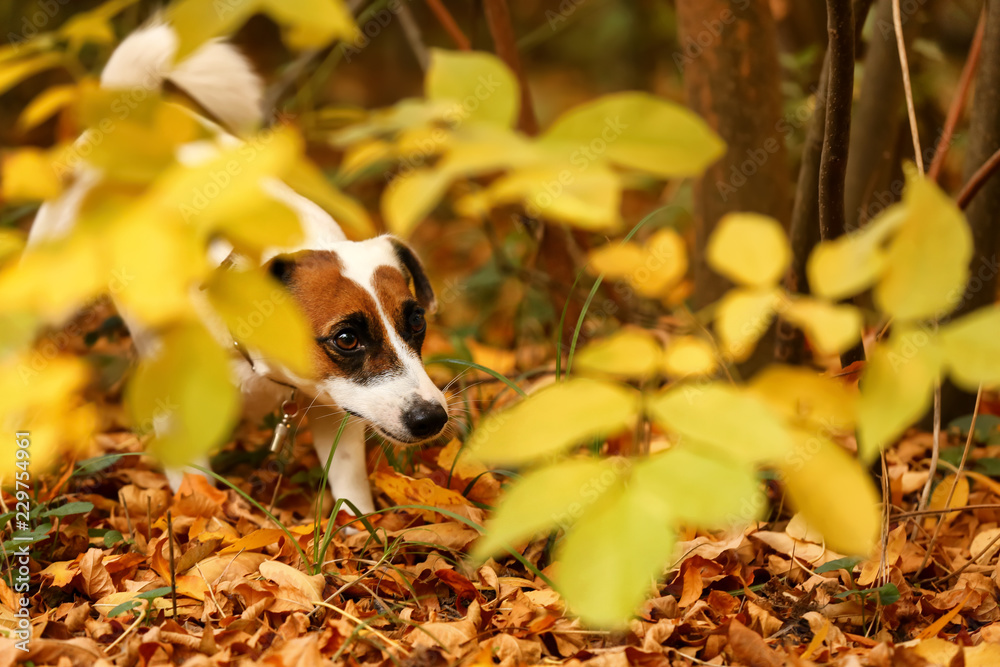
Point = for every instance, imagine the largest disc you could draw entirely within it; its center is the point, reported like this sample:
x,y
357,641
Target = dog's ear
x,y
421,285
281,268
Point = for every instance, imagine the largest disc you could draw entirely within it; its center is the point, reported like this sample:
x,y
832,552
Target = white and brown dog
x,y
368,325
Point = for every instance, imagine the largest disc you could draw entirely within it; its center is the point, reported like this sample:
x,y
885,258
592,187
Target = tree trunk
x,y
732,77
983,211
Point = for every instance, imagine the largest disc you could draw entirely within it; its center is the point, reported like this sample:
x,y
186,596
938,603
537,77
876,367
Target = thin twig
x,y
909,515
972,560
958,102
411,30
505,43
173,572
447,21
904,64
837,132
935,453
978,180
958,475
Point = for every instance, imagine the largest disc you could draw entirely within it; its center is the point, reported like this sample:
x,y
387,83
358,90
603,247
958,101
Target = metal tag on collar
x,y
288,411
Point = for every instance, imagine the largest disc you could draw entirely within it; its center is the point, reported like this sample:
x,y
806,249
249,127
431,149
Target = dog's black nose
x,y
425,419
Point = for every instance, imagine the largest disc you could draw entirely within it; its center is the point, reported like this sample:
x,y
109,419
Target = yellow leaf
x,y
896,388
938,651
928,260
831,328
142,146
155,265
554,419
742,316
630,353
651,270
53,279
834,494
851,263
286,576
689,355
13,72
45,105
306,179
663,265
971,348
638,131
623,542
589,199
227,185
750,249
556,495
28,174
616,260
261,314
734,422
939,498
806,398
410,198
305,23
11,243
184,392
479,85
364,155
678,477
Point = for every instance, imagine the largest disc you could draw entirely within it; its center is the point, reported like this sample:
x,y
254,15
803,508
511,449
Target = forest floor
x,y
247,591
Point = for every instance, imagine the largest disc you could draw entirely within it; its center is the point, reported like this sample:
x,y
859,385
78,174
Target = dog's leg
x,y
348,471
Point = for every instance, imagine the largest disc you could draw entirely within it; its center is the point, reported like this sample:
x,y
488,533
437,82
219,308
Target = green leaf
x,y
734,422
185,390
750,249
614,553
96,464
847,563
481,87
120,609
987,427
702,490
637,131
927,264
896,389
886,594
112,537
971,347
630,353
835,495
552,420
261,314
556,495
69,509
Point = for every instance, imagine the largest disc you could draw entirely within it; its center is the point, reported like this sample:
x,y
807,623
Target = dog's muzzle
x,y
425,419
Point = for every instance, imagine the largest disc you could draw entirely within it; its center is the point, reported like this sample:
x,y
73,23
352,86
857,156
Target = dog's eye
x,y
417,321
346,340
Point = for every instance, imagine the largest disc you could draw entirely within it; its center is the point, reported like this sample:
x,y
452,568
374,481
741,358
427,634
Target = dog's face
x,y
369,329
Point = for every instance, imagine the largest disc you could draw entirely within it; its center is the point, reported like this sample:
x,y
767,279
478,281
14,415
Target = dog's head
x,y
369,329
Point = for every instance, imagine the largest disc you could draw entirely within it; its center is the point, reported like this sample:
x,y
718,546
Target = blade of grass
x,y
499,376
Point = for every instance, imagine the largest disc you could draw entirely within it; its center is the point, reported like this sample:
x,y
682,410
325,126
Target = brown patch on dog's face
x,y
400,306
352,341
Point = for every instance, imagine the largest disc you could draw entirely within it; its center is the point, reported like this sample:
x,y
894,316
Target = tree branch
x,y
447,21
505,43
837,134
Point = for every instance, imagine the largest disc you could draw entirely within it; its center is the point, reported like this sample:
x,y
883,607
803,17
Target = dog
x,y
368,323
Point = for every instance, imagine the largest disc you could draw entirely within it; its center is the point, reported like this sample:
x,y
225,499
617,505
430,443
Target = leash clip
x,y
288,411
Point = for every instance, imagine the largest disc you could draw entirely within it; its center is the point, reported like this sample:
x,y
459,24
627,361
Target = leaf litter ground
x,y
770,594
